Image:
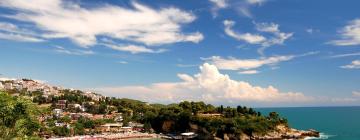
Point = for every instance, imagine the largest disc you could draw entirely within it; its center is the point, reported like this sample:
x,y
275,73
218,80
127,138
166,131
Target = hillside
x,y
57,112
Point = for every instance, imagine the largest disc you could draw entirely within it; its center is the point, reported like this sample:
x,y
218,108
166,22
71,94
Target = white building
x,y
58,112
8,85
1,85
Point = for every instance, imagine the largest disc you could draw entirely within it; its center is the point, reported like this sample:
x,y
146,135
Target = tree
x,y
79,129
17,117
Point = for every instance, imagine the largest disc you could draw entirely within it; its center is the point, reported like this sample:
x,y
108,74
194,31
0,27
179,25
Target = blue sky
x,y
253,52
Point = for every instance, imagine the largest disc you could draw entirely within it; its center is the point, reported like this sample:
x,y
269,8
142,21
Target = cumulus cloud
x,y
208,85
274,35
350,34
12,32
354,65
140,24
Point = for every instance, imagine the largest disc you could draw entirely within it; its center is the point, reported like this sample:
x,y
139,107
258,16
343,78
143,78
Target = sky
x,y
261,53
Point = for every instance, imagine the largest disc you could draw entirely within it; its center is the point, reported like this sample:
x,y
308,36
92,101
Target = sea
x,y
334,123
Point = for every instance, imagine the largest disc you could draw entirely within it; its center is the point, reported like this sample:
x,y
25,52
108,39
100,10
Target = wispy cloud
x,y
12,32
276,37
217,5
60,49
133,49
350,34
243,7
122,62
186,65
248,72
354,65
248,66
140,24
247,37
245,64
346,55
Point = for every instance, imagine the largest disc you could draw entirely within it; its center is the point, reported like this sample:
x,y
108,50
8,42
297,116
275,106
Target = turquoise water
x,y
335,123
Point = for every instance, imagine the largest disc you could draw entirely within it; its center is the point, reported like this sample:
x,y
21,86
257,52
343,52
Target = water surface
x,y
336,123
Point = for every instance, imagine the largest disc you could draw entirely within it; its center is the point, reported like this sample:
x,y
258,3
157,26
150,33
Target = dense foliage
x,y
18,117
205,119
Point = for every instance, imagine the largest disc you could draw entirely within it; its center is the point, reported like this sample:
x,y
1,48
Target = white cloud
x,y
310,30
209,85
247,37
243,7
134,49
350,34
246,64
259,2
276,37
141,24
346,55
356,93
60,49
186,65
6,78
10,31
249,66
354,65
248,72
19,37
217,5
122,62
267,27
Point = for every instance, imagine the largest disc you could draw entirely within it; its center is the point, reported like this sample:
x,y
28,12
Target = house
x,y
210,115
110,127
1,85
118,118
136,126
57,112
97,116
109,116
126,129
77,106
61,104
75,116
188,135
8,85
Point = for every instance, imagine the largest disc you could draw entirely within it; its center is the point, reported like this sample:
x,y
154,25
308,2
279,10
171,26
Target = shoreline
x,y
112,136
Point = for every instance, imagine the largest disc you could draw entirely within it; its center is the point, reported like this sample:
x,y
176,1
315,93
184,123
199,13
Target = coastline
x,y
128,136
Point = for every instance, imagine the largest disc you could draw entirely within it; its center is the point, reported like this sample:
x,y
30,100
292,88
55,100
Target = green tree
x,y
18,117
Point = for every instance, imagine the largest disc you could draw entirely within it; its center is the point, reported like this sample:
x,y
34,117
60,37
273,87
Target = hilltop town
x,y
60,113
